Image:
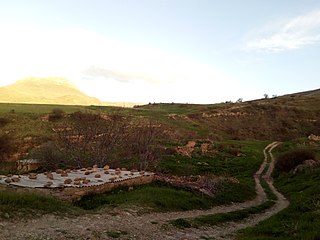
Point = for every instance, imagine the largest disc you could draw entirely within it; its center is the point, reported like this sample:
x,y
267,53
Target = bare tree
x,y
90,138
144,142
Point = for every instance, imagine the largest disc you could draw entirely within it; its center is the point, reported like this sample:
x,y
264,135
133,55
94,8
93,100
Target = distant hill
x,y
50,91
45,91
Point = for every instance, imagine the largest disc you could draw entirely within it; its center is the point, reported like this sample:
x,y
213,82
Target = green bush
x,y
292,158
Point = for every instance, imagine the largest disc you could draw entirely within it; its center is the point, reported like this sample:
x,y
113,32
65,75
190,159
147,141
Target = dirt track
x,y
148,226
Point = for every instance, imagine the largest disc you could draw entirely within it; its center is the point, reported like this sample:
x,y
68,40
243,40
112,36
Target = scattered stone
x,y
32,176
48,184
77,182
87,173
106,172
64,174
15,179
50,176
59,171
68,181
8,180
106,167
97,176
86,181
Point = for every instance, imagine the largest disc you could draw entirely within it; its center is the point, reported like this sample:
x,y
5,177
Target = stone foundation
x,y
76,193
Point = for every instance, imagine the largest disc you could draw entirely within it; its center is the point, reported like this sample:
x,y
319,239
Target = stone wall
x,y
76,193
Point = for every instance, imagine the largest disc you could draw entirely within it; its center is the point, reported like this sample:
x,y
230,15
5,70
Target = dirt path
x,y
148,226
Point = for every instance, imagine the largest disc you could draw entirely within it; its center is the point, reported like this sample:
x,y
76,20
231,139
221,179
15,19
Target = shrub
x,y
292,158
56,114
6,146
3,121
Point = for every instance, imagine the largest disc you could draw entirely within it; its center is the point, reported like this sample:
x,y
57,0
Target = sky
x,y
186,51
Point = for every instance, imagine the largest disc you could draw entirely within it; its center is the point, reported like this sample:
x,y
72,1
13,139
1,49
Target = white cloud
x,y
294,33
107,69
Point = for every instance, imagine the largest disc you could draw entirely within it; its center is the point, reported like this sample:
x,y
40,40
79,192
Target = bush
x,y
292,158
56,114
6,146
3,121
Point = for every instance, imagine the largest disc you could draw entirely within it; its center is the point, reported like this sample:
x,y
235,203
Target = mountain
x,y
45,91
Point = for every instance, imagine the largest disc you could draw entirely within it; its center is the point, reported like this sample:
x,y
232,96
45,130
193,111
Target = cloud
x,y
108,69
294,33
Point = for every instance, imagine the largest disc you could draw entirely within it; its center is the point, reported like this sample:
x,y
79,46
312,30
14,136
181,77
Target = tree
x,y
143,143
239,100
90,138
266,96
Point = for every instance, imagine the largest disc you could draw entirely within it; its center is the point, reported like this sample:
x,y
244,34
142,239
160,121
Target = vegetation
x,y
289,160
301,219
17,205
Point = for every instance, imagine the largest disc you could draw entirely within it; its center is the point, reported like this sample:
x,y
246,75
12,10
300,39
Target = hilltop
x,y
45,91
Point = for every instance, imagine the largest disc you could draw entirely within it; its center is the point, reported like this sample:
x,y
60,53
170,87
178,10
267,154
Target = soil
x,y
128,224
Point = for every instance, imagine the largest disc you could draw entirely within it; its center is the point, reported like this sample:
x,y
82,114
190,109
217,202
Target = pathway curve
x,y
147,226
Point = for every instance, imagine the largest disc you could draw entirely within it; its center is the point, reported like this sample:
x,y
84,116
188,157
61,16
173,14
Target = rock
x,y
48,184
106,167
15,179
64,174
87,173
123,169
106,172
86,181
307,166
50,176
8,180
68,181
77,182
59,171
33,176
97,176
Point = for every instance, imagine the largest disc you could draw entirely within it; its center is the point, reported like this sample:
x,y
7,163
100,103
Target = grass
x,y
155,196
215,219
211,220
301,220
13,205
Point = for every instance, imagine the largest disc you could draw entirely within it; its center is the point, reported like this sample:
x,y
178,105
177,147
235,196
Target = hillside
x,y
45,91
282,118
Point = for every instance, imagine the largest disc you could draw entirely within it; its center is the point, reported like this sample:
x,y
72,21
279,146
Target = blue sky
x,y
191,51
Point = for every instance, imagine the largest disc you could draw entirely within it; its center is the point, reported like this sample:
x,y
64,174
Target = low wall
x,y
76,193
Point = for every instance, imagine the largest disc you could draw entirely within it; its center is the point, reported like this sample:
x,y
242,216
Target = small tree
x,y
266,96
56,114
143,143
